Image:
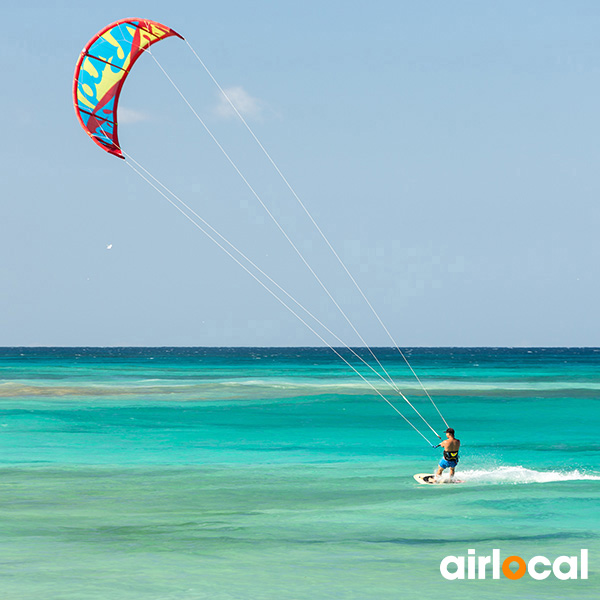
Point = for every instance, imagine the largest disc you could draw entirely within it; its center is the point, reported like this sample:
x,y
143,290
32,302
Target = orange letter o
x,y
514,574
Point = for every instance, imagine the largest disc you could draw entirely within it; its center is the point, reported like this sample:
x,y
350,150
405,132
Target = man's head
x,y
450,432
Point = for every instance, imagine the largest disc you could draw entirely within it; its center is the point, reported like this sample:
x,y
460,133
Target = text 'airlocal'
x,y
514,567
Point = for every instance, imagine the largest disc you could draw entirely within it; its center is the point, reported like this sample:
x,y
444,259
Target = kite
x,y
101,71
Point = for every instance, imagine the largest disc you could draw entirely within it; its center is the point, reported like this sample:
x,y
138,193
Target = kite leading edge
x,y
101,71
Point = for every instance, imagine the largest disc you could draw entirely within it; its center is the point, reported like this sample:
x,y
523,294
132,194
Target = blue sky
x,y
450,152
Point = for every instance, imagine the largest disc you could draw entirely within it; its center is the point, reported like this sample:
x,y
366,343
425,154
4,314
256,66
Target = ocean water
x,y
263,474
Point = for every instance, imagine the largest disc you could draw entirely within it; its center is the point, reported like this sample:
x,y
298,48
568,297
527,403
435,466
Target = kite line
x,y
308,214
283,303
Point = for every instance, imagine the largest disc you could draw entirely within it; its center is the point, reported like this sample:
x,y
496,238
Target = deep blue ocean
x,y
277,473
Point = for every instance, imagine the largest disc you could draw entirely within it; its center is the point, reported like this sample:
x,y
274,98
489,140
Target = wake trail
x,y
520,475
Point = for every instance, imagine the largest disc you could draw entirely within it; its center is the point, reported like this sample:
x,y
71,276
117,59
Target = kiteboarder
x,y
450,459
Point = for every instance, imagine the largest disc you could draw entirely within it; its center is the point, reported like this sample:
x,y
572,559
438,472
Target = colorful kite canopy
x,y
101,71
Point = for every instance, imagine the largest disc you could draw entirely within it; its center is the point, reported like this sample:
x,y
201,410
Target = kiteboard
x,y
428,478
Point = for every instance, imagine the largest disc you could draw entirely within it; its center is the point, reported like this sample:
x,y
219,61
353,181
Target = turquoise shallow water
x,y
277,473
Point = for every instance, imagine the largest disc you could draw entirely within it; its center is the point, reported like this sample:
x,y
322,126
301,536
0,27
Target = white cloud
x,y
246,105
127,115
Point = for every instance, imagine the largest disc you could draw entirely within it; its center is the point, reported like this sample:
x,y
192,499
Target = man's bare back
x,y
451,446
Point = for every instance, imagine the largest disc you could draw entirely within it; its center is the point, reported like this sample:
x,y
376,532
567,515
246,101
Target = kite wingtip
x,y
116,152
